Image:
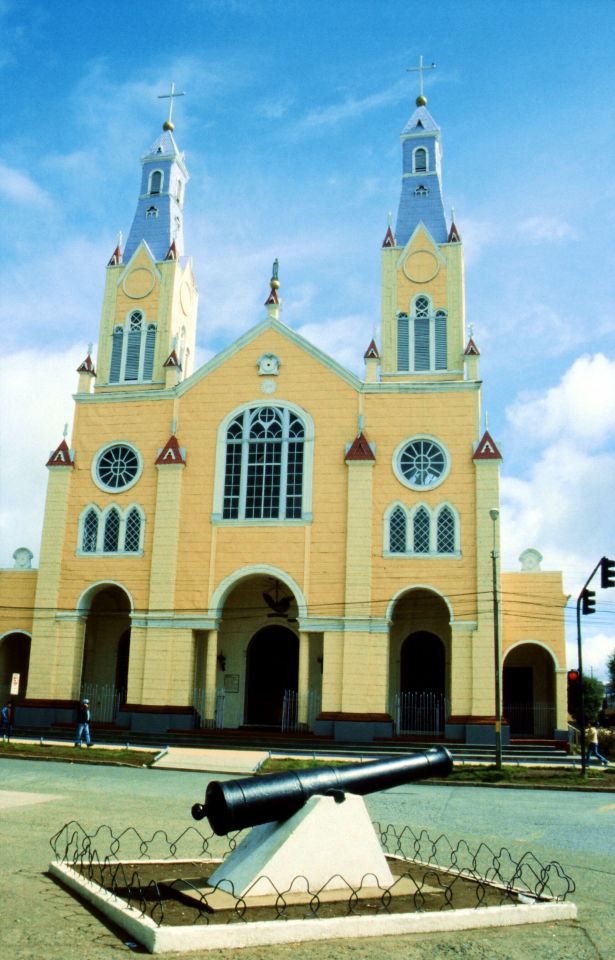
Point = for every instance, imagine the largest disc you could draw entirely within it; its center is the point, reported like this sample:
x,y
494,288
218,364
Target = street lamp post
x,y
494,514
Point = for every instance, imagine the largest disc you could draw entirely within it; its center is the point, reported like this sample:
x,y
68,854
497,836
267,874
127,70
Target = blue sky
x,y
290,125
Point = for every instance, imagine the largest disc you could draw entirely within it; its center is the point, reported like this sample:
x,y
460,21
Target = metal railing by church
x,y
530,719
105,700
418,712
291,709
206,715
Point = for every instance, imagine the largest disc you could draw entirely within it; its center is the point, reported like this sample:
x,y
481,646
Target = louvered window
x,y
150,345
446,531
397,531
116,355
263,477
132,534
420,160
421,530
155,182
90,532
112,532
440,329
133,350
403,342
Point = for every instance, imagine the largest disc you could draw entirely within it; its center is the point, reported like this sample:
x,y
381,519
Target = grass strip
x,y
532,776
36,751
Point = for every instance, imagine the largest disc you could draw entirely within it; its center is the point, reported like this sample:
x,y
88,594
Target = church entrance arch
x,y
528,680
14,658
420,657
104,676
272,670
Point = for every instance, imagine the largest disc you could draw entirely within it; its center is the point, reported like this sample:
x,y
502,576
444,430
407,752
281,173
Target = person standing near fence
x,y
7,720
83,724
592,745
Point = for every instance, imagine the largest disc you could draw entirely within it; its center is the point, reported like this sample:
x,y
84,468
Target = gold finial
x,y
421,101
274,283
168,125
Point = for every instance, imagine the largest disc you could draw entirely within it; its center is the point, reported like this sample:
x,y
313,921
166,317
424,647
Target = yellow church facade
x,y
272,541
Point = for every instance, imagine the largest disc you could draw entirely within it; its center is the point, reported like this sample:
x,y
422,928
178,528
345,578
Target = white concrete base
x,y
236,935
332,844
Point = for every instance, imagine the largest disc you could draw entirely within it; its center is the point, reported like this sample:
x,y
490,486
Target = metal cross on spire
x,y
421,100
168,123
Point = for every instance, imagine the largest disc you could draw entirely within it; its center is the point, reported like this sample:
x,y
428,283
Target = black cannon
x,y
235,804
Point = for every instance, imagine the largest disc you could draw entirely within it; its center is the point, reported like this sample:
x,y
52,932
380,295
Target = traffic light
x,y
588,601
607,573
573,677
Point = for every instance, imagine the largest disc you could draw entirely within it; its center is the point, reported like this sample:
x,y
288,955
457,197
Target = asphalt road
x,y
41,921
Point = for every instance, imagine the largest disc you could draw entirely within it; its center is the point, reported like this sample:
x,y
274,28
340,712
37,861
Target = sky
x,y
290,125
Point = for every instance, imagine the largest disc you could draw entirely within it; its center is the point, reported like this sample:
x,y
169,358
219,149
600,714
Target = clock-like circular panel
x,y
117,467
421,463
138,283
421,266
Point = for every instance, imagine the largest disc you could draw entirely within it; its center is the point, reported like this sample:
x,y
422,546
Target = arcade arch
x,y
529,690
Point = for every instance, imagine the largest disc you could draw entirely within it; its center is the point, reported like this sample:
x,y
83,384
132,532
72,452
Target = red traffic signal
x,y
573,676
607,573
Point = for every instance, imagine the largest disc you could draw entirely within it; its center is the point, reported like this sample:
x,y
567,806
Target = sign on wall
x,y
15,683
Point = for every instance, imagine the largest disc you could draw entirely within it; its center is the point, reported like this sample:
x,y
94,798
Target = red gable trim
x,y
453,234
60,456
487,449
272,298
389,239
170,454
471,350
360,450
87,366
116,257
372,352
171,360
171,252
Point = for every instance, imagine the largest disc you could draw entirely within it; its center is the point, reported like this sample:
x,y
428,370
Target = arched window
x,y
90,532
263,478
155,181
421,191
151,213
132,532
420,160
112,532
397,531
422,338
446,531
421,525
132,350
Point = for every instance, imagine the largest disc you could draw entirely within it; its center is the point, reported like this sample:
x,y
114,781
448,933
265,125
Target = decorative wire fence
x,y
167,879
420,713
208,715
291,710
104,699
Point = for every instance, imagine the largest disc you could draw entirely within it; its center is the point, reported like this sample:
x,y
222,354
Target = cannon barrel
x,y
235,804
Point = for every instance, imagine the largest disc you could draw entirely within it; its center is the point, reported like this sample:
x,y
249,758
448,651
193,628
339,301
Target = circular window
x,y
421,463
117,467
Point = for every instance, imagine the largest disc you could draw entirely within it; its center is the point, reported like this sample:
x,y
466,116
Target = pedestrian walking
x,y
83,723
7,721
592,745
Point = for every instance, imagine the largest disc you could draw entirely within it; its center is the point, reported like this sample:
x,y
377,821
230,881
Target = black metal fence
x,y
167,879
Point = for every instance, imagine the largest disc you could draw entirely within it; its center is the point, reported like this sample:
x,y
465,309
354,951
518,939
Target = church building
x,y
270,540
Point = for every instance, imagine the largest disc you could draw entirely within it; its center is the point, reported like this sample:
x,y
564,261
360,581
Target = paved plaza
x,y
41,921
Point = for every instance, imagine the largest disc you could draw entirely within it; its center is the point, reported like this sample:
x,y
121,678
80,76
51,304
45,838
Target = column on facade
x,y
333,666
45,681
304,677
211,675
461,668
487,461
561,699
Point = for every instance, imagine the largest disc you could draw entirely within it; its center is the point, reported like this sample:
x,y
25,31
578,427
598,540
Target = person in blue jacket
x,y
7,720
83,723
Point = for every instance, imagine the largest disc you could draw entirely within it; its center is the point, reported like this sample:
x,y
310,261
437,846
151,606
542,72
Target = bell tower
x,y
422,266
148,322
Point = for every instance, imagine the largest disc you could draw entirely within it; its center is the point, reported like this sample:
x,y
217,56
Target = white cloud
x,y
350,108
344,338
36,389
581,407
563,504
597,648
477,235
18,188
540,228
